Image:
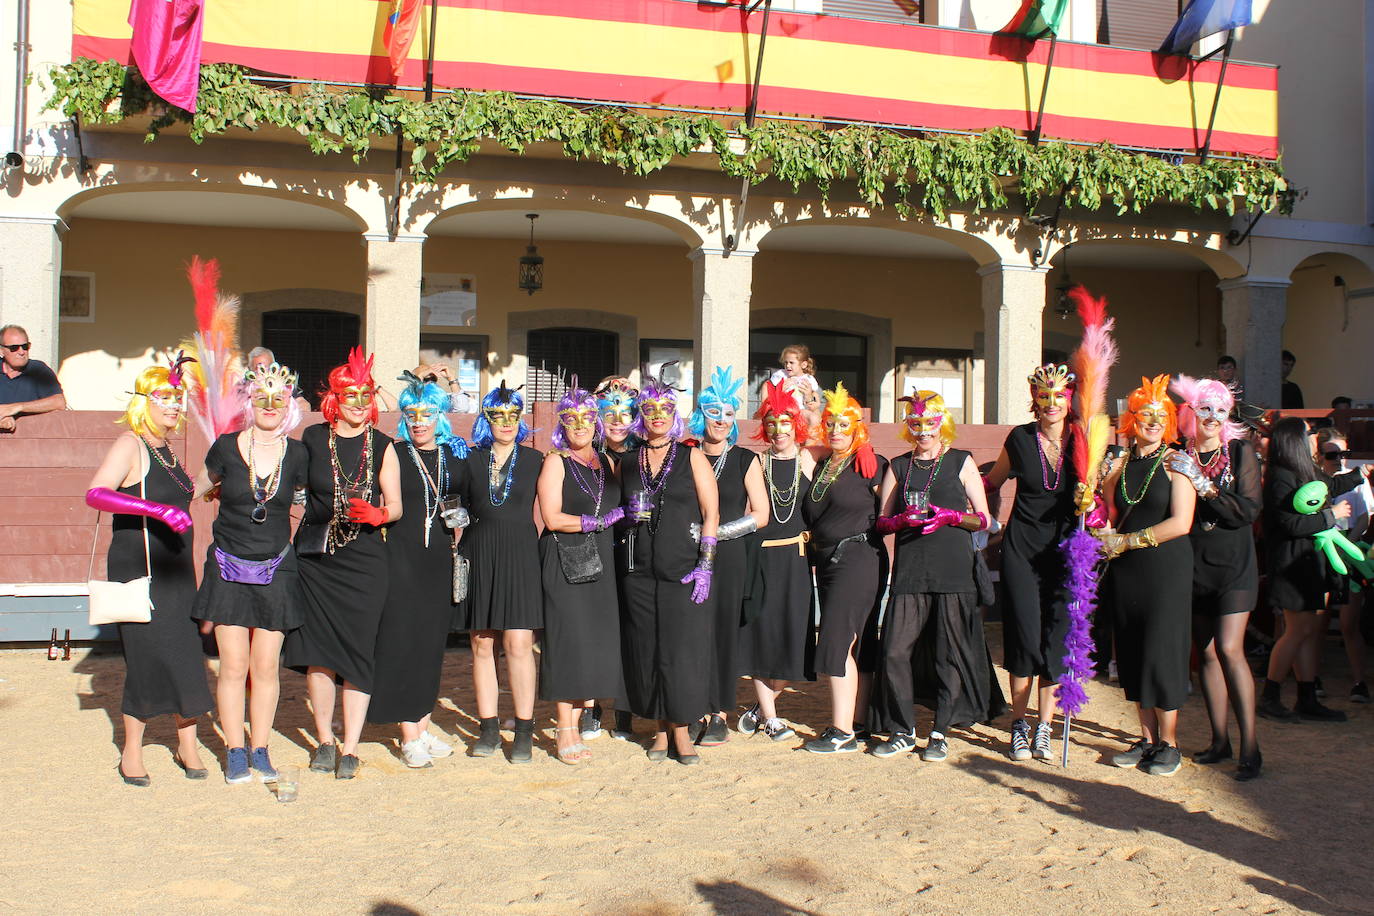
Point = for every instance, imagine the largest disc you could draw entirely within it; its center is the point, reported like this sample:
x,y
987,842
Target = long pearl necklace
x,y
782,499
433,492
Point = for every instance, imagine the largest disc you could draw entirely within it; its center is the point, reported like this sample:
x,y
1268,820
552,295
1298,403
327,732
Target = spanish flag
x,y
400,33
1036,19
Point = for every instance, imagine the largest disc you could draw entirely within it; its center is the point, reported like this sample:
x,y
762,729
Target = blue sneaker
x,y
236,767
262,765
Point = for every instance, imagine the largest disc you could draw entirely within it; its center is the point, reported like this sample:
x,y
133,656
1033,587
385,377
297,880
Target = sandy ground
x,y
758,828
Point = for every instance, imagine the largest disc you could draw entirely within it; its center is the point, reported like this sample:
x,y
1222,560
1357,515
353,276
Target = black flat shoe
x,y
656,755
191,772
1249,768
684,759
140,781
1213,754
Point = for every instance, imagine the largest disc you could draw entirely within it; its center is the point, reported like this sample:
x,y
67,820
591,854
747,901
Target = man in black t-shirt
x,y
1291,396
26,385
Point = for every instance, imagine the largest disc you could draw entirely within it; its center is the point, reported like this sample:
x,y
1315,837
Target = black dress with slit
x,y
413,631
342,592
731,579
1225,572
502,542
276,605
580,657
851,566
164,667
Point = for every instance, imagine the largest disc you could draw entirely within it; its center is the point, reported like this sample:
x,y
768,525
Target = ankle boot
x,y
1309,707
489,739
521,750
1270,705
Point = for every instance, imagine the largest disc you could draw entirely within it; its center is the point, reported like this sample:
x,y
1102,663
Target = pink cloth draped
x,y
166,47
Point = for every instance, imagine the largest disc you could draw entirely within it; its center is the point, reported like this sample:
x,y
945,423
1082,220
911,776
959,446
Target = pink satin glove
x,y
909,517
364,513
1097,516
939,518
112,501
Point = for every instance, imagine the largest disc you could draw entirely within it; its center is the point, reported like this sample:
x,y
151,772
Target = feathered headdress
x,y
578,399
215,400
272,381
1151,391
838,403
417,391
724,390
502,396
1197,392
1053,377
356,372
928,403
778,402
655,389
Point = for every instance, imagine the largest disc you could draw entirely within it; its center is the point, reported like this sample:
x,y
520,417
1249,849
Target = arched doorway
x,y
557,354
311,342
839,357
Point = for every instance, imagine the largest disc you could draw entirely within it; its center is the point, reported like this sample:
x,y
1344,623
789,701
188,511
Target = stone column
x,y
720,290
391,324
1013,318
30,274
1253,310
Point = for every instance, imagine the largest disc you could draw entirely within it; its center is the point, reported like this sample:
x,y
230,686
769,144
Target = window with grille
x,y
311,342
557,354
1140,24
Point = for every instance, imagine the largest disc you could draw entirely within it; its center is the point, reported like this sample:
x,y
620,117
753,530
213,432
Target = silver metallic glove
x,y
456,518
1183,463
728,531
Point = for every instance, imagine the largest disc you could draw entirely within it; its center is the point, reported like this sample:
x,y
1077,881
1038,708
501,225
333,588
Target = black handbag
x,y
312,539
580,560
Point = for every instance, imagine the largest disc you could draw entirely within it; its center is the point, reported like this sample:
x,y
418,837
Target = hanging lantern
x,y
531,265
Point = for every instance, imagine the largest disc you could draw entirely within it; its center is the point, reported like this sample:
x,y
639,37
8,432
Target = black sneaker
x,y
1133,755
696,730
1316,712
1164,761
832,741
624,726
1040,745
324,760
750,721
716,732
1321,690
777,730
1274,709
936,749
897,744
349,764
589,723
1359,693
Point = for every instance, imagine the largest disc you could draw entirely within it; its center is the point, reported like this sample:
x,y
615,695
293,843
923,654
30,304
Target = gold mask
x,y
773,427
658,409
577,418
356,396
508,415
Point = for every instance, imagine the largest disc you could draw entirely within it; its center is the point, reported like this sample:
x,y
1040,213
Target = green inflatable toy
x,y
1311,499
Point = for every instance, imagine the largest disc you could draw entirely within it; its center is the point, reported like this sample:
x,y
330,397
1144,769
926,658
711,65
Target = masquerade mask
x,y
420,415
577,418
658,409
1152,414
169,398
271,386
719,413
774,426
502,416
1052,386
356,396
838,425
270,400
925,425
1209,411
1046,398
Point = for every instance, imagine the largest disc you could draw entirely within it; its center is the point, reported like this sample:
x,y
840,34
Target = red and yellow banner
x,y
676,53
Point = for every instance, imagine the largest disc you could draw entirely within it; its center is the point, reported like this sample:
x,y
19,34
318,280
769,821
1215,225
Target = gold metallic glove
x,y
1083,498
1114,544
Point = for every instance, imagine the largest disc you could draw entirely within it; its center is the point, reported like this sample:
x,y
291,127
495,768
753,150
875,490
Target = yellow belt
x,y
800,540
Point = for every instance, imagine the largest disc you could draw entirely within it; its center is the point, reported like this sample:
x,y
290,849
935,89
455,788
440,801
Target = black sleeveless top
x,y
846,508
319,508
663,546
730,471
1041,516
940,562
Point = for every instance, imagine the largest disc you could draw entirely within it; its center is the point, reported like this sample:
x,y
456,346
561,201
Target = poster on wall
x,y
448,300
654,353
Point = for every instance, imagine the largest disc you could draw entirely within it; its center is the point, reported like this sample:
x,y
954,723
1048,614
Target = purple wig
x,y
653,389
575,399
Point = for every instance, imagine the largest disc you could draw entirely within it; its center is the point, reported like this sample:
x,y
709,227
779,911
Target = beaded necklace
x,y
1217,465
1045,465
598,475
718,462
494,476
654,483
827,477
433,492
908,493
263,493
1145,487
173,468
342,531
783,499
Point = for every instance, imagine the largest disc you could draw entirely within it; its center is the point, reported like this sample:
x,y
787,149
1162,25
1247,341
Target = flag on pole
x,y
399,34
1205,17
166,47
1037,18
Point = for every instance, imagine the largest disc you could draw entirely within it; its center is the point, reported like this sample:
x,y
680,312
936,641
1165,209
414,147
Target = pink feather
x,y
1092,363
216,402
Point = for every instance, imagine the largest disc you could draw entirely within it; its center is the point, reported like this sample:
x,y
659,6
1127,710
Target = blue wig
x,y
575,399
655,390
501,397
428,394
723,391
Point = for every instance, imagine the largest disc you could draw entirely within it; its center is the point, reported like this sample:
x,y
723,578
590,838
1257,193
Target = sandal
x,y
573,754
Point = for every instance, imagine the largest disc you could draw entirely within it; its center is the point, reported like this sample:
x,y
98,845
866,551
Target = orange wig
x,y
838,403
1152,392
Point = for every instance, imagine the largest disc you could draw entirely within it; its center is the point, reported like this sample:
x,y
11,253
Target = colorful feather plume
x,y
215,399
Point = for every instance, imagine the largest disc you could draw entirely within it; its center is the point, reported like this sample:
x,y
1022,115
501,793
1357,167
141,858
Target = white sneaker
x,y
416,755
436,747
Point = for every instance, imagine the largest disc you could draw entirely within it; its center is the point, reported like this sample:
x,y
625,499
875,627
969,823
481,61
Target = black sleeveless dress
x,y
669,640
1035,617
1225,572
413,631
1151,591
502,543
851,566
276,605
164,665
342,592
580,650
934,651
779,643
731,580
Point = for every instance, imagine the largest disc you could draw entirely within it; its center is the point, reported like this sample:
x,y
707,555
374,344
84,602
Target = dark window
x,y
311,342
557,354
1136,23
880,10
839,358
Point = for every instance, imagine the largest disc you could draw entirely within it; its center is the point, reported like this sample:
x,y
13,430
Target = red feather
x,y
360,366
204,277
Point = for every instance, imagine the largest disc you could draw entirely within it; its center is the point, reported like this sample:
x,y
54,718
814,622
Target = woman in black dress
x,y
1299,578
777,642
342,555
1150,577
250,589
420,550
743,506
579,498
504,600
1221,465
851,567
1035,616
144,487
668,487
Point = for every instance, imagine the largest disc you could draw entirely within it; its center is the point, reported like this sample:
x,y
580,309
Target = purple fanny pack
x,y
248,572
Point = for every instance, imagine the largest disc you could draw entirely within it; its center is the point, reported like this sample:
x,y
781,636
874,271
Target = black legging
x,y
1224,672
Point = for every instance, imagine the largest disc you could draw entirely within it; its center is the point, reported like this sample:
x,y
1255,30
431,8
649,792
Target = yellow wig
x,y
838,403
136,416
1151,391
928,403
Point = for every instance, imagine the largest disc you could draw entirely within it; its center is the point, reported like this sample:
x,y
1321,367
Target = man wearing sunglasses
x,y
26,385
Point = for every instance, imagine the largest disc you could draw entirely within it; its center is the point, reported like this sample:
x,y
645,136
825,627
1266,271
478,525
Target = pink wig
x,y
1198,391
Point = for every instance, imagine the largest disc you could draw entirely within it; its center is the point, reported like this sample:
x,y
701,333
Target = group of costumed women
x,y
669,567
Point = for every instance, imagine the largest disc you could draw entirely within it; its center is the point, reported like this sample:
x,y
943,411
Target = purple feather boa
x,y
1081,576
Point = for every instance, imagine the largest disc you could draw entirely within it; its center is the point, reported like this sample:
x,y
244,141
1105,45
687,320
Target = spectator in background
x,y
459,401
1341,402
26,385
260,358
1291,397
1226,374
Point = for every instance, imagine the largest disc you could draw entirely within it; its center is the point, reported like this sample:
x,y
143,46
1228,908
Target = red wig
x,y
780,403
355,373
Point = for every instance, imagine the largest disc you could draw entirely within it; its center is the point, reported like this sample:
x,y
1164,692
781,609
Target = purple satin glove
x,y
700,578
909,517
107,500
1097,516
939,518
602,522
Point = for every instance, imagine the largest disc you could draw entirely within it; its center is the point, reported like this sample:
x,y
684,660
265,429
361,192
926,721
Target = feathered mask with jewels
x,y
351,384
926,415
779,408
658,399
718,402
577,409
271,387
843,415
1052,385
1150,401
503,406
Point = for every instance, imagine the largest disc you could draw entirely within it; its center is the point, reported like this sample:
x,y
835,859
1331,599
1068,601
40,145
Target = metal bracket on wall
x,y
732,239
